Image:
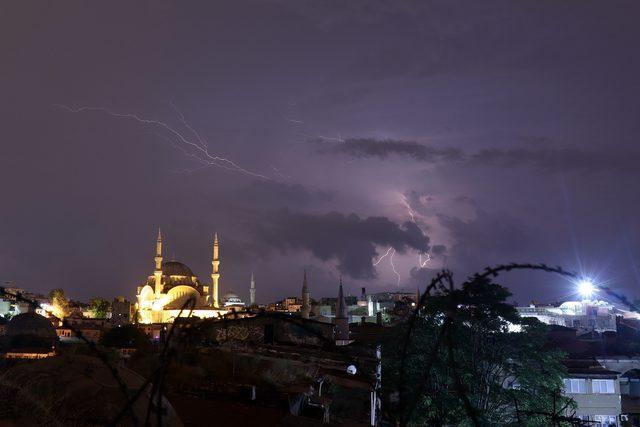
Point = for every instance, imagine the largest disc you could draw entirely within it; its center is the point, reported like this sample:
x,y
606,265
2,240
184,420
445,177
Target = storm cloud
x,y
368,147
545,158
509,128
558,160
349,239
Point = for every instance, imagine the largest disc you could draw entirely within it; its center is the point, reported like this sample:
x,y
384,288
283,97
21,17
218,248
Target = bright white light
x,y
586,288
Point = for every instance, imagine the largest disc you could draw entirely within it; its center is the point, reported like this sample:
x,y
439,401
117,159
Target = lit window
x,y
605,420
575,385
602,386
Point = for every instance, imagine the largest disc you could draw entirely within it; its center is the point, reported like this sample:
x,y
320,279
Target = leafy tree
x,y
126,336
59,302
99,307
472,360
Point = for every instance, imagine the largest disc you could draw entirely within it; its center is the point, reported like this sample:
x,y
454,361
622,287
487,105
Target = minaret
x,y
306,307
215,274
342,319
252,292
158,271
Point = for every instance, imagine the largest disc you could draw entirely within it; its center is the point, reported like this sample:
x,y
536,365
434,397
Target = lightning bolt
x,y
196,150
410,211
390,253
426,260
383,256
421,262
188,126
283,176
393,267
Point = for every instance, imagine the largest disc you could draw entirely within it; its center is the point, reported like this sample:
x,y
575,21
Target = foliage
x,y
126,336
463,363
99,307
60,303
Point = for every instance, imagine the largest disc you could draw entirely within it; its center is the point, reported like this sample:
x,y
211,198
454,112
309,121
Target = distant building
x,y
596,391
397,296
341,320
273,345
231,300
583,316
305,309
167,293
10,305
252,292
292,304
358,309
91,329
120,312
29,336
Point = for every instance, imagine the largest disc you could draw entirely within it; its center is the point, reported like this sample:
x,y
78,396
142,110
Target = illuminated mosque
x,y
168,293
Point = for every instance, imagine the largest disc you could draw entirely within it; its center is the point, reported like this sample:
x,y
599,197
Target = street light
x,y
586,288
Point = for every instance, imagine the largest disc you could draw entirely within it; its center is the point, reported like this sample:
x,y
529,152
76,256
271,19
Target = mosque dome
x,y
175,273
31,324
231,299
175,268
27,332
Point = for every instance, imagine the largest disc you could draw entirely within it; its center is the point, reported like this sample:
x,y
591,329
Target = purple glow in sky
x,y
466,133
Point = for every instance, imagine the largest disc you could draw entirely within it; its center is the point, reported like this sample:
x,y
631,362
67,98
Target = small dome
x,y
175,268
230,295
31,324
230,299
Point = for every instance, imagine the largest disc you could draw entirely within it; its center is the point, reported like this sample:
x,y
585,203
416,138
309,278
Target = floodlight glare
x,y
586,288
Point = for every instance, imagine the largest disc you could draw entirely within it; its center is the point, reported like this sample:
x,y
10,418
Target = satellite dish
x,y
351,370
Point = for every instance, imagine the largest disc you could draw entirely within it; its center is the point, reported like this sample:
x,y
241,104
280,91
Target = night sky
x,y
475,132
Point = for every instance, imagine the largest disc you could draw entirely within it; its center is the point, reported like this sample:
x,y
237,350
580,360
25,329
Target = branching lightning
x,y
390,253
424,262
409,210
421,262
188,126
280,174
196,150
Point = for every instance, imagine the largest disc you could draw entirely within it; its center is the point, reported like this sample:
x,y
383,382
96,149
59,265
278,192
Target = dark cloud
x,y
349,239
438,250
369,147
495,94
489,238
558,160
546,158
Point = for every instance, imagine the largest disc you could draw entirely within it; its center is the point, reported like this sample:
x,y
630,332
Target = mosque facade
x,y
173,290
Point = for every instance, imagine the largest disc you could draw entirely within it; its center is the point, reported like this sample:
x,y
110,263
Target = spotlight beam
x,y
586,288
